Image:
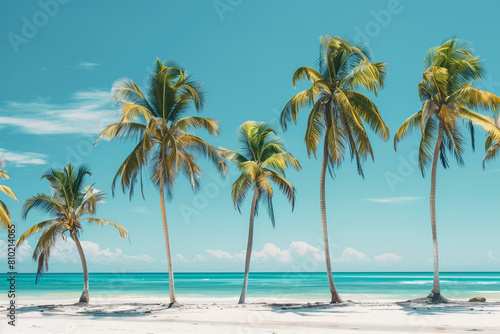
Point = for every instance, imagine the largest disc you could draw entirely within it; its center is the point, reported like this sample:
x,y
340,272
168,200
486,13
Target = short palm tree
x,y
4,211
263,158
69,204
338,113
447,95
164,144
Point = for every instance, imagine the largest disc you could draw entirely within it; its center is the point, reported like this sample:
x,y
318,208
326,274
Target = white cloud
x,y
87,113
182,258
86,66
94,252
303,249
200,258
64,252
387,258
220,254
22,252
271,251
394,200
21,159
350,255
491,257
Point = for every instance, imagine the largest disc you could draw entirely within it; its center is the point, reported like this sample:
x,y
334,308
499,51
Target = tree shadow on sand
x,y
97,310
309,309
414,307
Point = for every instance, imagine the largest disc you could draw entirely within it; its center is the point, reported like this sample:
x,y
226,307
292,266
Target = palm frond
x,y
405,128
5,216
315,128
34,229
104,222
128,130
279,161
305,73
211,125
47,204
301,100
240,189
427,145
202,147
285,187
6,190
368,112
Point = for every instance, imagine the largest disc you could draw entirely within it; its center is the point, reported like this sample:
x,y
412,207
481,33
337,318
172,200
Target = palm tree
x,y
447,95
163,143
68,204
4,211
338,113
263,158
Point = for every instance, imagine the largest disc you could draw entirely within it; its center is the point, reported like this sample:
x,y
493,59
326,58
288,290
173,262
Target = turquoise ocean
x,y
313,286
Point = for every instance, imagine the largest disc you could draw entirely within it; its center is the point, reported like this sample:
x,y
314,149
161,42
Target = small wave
x,y
205,279
487,292
487,282
416,282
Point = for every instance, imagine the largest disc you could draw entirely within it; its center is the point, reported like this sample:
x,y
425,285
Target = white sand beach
x,y
152,315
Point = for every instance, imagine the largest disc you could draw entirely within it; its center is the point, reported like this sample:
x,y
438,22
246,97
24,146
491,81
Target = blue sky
x,y
54,100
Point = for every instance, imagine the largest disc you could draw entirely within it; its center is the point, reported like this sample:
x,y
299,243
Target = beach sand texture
x,y
150,315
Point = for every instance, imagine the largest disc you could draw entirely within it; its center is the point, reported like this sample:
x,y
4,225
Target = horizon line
x,y
261,272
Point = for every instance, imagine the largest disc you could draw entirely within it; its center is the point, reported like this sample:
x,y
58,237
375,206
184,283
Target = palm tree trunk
x,y
84,298
436,289
335,295
167,244
249,247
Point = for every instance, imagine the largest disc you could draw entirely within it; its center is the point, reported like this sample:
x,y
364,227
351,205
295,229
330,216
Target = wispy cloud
x,y
491,257
197,258
140,209
387,258
86,66
87,113
22,159
394,200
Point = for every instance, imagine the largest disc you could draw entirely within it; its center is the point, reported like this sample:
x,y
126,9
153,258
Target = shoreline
x,y
188,300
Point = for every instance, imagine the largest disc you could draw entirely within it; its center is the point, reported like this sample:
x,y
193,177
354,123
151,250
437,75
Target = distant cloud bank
x,y
394,200
301,256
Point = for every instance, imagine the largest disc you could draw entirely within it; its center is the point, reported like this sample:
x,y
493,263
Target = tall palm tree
x,y
4,211
338,113
163,141
263,158
68,204
447,95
